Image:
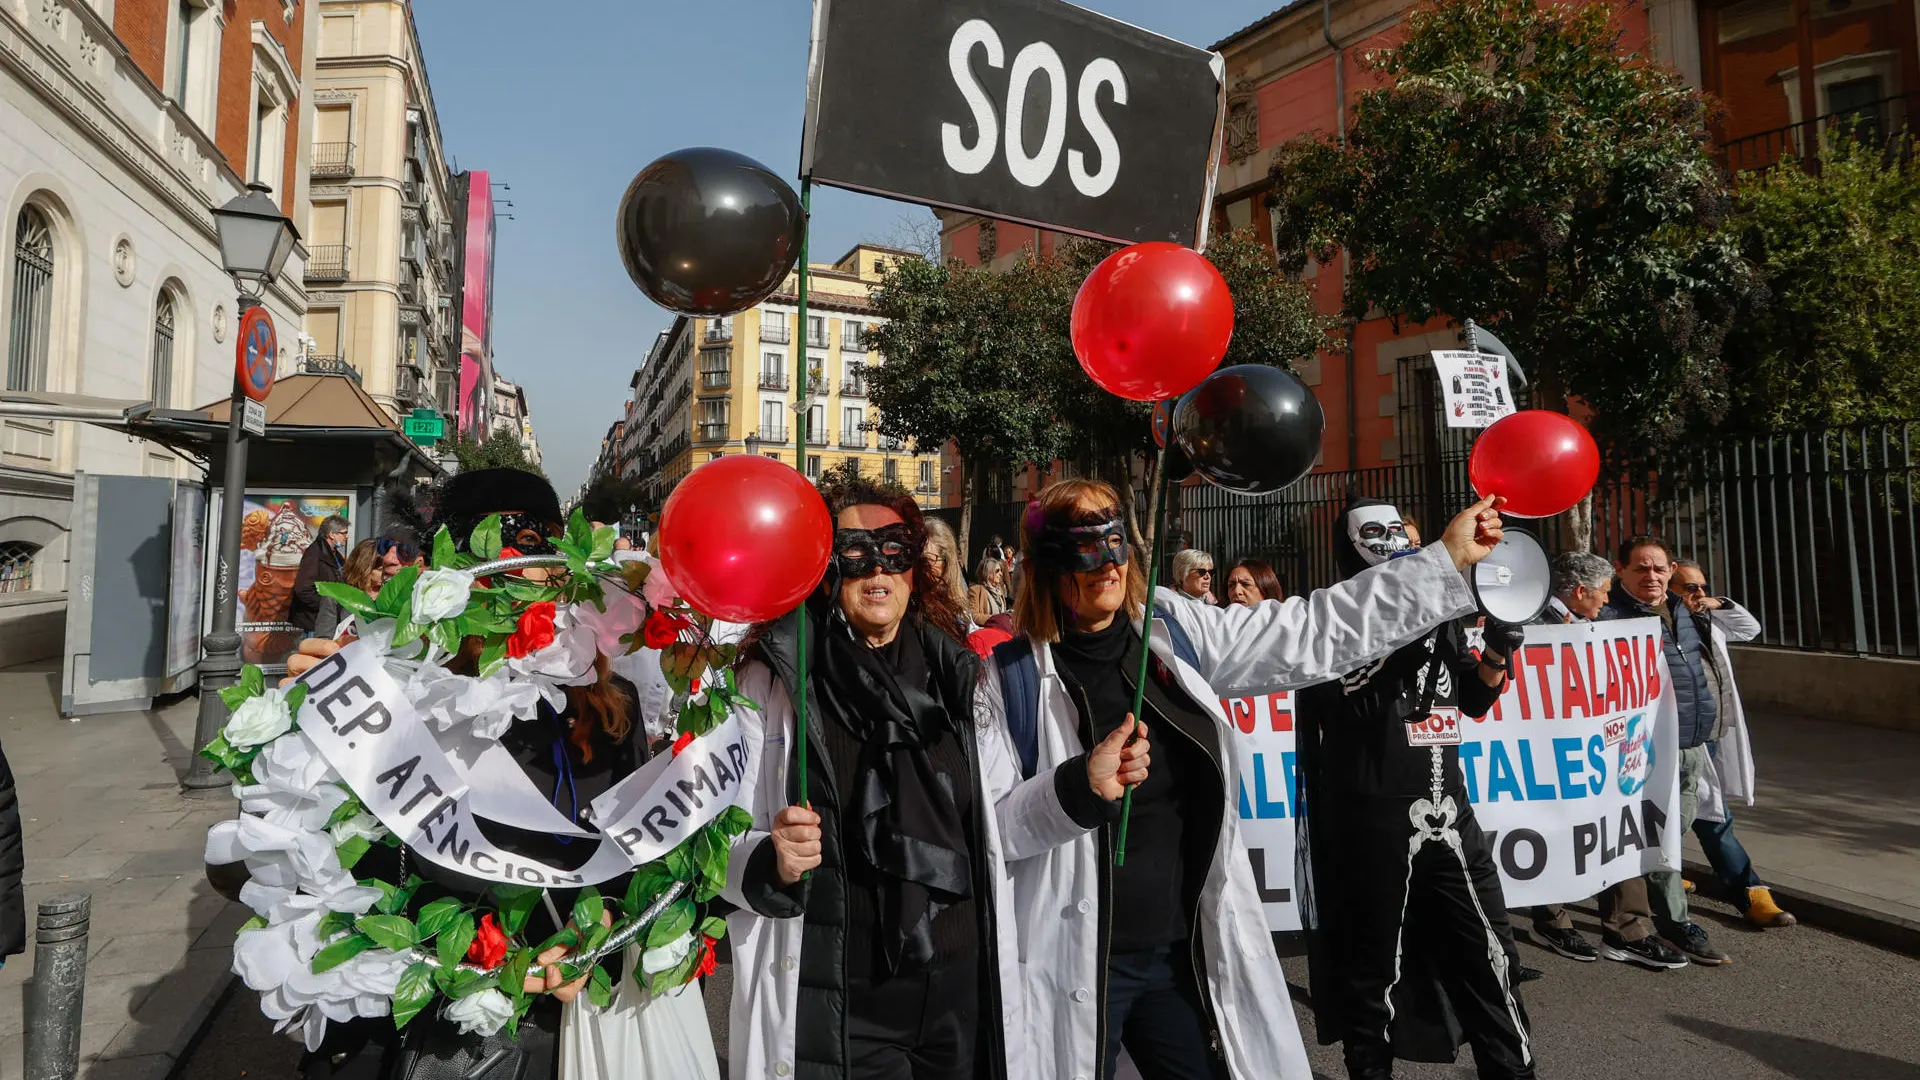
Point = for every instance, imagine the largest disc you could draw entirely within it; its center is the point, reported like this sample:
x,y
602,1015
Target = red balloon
x,y
1151,321
745,538
1541,462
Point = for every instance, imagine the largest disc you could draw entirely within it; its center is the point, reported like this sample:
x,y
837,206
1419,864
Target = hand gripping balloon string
x,y
622,937
1146,638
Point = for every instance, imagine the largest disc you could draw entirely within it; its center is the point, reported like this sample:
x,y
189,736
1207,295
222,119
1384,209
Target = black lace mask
x,y
859,553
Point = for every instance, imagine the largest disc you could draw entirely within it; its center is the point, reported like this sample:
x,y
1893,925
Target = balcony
x,y
717,332
855,441
853,388
773,433
853,342
327,262
773,335
817,436
410,192
773,380
321,364
713,433
1877,123
716,380
332,160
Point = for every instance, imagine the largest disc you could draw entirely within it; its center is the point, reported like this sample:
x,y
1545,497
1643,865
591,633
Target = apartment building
x,y
382,228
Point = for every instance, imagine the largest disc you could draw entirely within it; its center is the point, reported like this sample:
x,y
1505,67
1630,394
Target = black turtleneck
x,y
1149,892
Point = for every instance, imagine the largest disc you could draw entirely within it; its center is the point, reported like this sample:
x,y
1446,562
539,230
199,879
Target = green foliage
x,y
609,498
1837,341
499,450
985,358
1521,169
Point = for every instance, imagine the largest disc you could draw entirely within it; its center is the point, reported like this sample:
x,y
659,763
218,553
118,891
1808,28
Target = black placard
x,y
888,113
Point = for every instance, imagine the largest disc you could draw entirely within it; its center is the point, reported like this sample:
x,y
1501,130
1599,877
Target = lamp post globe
x,y
255,241
753,444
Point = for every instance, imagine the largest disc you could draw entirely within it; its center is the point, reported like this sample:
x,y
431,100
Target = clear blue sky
x,y
566,102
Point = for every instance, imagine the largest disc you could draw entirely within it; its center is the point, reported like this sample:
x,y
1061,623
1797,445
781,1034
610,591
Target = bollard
x,y
59,987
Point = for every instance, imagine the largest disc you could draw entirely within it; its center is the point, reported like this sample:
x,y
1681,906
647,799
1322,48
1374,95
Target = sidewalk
x,y
102,811
1835,826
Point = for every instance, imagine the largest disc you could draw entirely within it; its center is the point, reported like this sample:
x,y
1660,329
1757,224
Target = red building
x,y
1301,69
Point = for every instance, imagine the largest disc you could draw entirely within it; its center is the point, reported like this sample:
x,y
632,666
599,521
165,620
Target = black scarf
x,y
910,829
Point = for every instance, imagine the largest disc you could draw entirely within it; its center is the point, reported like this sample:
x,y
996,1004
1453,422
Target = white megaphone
x,y
1514,583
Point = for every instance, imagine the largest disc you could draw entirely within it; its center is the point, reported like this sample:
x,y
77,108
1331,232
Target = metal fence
x,y
1813,531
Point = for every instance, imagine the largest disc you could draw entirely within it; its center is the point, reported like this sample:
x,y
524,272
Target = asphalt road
x,y
1797,1004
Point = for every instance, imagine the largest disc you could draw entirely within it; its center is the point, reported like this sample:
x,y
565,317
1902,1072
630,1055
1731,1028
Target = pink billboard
x,y
476,316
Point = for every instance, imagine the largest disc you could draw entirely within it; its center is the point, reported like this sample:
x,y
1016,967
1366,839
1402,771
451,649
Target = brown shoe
x,y
1762,911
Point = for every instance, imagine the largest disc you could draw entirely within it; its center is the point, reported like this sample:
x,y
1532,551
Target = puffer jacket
x,y
13,867
1688,644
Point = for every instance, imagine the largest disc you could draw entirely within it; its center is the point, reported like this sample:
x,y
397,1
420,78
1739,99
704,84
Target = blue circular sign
x,y
259,353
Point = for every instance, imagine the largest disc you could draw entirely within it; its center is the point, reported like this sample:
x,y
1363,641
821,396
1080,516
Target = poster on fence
x,y
1573,773
1474,388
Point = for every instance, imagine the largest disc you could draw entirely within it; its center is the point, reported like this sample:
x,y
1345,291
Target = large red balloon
x,y
1541,462
745,538
1151,321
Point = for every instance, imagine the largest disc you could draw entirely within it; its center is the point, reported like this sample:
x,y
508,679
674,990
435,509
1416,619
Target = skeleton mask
x,y
1377,533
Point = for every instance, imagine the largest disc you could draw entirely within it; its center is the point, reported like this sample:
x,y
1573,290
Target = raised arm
x,y
1286,644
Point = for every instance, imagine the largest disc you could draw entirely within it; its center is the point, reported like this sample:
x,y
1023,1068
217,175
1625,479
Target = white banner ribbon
x,y
359,718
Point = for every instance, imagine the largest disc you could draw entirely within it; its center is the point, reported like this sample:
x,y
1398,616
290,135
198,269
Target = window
x,y
160,378
771,456
16,566
853,466
716,370
773,371
193,76
817,331
773,421
891,471
813,466
853,335
817,425
851,422
30,329
186,12
816,375
926,476
773,326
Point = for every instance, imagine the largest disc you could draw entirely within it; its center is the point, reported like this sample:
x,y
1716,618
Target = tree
x,y
500,450
985,358
1837,338
1521,169
609,499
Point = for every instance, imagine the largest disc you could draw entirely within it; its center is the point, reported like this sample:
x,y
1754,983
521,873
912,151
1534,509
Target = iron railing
x,y
1880,123
332,160
711,433
318,364
716,380
773,380
773,335
853,388
327,262
1814,532
771,433
855,441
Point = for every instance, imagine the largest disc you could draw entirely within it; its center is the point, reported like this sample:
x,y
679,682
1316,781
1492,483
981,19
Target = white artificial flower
x,y
623,616
658,588
664,958
483,1013
293,764
361,825
440,594
259,719
566,662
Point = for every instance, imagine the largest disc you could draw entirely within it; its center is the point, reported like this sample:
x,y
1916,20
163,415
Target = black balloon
x,y
708,232
1250,429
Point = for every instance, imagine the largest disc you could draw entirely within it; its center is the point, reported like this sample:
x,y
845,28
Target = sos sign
x,y
1027,110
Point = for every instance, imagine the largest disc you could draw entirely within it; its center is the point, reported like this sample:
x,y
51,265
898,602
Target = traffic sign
x,y
258,352
253,417
424,427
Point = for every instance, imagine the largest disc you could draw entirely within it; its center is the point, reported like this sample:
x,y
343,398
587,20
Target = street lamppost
x,y
752,442
255,241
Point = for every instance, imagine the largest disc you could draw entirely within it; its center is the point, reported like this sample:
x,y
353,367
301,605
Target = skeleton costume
x,y
1409,947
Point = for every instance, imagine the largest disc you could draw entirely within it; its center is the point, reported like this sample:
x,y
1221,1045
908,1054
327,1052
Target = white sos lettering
x,y
1036,61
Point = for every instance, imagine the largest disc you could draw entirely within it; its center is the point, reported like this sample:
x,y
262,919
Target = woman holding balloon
x,y
871,939
1168,953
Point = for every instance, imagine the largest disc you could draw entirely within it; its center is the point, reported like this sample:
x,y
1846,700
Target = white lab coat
x,y
766,952
1729,771
1243,651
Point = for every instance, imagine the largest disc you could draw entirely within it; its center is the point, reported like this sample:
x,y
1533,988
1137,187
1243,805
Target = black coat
x,y
13,866
320,563
820,1046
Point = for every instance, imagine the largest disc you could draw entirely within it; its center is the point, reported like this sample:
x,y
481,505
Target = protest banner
x,y
1034,111
1573,774
1473,387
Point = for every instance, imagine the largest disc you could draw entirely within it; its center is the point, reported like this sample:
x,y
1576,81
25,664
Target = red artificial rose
x,y
535,632
685,740
662,630
489,948
707,961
